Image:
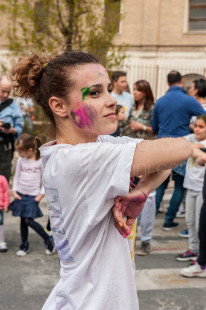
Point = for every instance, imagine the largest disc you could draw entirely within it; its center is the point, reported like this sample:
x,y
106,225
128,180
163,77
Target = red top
x,y
4,192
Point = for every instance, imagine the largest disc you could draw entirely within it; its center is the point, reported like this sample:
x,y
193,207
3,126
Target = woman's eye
x,y
94,93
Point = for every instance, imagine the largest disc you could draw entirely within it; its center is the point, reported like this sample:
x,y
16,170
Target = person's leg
x,y
199,202
190,220
24,231
148,220
24,246
176,199
147,225
37,228
1,226
3,247
192,252
202,236
199,269
160,193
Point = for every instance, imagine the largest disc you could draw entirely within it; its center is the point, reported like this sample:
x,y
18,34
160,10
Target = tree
x,y
53,25
49,25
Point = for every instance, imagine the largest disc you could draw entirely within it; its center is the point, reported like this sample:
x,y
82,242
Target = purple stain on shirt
x,y
84,116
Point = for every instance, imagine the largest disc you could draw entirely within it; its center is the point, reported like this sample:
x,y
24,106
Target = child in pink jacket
x,y
4,203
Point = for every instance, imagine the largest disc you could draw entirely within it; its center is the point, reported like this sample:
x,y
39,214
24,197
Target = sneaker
x,y
169,226
22,252
23,249
194,271
3,247
180,214
50,246
184,234
144,250
186,256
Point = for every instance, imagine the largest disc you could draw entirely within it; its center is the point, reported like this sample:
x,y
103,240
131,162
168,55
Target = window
x,y
112,13
197,15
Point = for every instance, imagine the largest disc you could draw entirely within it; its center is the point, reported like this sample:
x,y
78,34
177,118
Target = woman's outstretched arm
x,y
162,154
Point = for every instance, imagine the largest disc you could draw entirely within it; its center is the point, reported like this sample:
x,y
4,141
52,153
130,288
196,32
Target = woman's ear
x,y
58,106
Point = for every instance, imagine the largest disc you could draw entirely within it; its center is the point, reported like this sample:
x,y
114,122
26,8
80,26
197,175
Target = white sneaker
x,y
3,247
194,271
22,252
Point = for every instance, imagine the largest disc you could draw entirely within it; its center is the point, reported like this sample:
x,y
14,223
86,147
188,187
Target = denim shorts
x,y
1,217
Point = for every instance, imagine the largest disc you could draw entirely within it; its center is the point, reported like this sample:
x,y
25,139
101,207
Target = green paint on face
x,y
85,91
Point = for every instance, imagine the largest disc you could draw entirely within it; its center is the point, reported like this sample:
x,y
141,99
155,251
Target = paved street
x,y
25,282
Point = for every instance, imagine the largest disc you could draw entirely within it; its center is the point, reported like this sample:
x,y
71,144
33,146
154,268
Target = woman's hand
x,y
16,196
129,206
39,198
136,126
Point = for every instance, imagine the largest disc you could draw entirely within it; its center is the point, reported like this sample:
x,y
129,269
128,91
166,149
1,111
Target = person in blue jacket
x,y
11,125
171,118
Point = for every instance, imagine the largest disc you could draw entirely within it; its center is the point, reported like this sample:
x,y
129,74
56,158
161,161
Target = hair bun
x,y
27,74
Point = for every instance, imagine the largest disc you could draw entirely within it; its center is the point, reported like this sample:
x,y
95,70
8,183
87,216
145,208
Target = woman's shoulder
x,y
150,110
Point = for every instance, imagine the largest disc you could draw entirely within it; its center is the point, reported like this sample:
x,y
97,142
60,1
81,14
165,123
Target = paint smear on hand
x,y
85,91
84,116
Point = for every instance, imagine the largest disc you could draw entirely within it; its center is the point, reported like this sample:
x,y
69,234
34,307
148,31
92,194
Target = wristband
x,y
139,189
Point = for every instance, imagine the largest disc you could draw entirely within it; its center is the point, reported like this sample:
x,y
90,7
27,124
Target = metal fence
x,y
156,74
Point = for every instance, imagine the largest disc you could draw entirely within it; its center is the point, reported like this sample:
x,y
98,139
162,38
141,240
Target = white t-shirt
x,y
194,176
125,100
81,183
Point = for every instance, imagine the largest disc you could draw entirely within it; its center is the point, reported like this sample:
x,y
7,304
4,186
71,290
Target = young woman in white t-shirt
x,y
193,182
86,179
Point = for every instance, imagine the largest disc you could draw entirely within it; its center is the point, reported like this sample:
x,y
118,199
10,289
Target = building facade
x,y
162,35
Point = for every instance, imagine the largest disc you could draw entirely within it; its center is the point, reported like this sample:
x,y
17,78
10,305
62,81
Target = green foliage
x,y
48,26
53,25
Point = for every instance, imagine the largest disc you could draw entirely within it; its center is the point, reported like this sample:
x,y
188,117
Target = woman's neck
x,y
74,137
140,103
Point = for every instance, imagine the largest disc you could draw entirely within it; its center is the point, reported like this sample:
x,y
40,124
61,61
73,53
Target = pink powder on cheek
x,y
84,116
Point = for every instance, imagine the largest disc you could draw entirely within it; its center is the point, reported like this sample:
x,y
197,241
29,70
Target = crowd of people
x,y
106,141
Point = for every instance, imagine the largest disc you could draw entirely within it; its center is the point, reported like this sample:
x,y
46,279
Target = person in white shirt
x,y
119,92
86,179
193,182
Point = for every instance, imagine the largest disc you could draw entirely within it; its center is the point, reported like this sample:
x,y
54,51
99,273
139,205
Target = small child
x,y
28,192
4,203
193,182
121,116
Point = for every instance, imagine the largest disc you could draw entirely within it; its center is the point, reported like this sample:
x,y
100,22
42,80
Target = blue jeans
x,y
176,199
160,193
29,222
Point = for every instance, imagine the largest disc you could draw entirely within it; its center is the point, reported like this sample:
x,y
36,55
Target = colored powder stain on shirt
x,y
85,91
